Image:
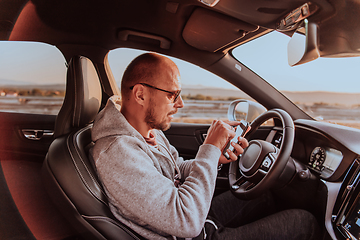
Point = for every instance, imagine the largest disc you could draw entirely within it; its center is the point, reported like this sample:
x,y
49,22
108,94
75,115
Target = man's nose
x,y
179,103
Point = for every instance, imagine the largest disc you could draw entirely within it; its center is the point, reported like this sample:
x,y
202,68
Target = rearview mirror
x,y
303,45
247,110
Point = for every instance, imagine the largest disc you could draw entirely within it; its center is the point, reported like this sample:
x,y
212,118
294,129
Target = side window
x,y
206,96
32,78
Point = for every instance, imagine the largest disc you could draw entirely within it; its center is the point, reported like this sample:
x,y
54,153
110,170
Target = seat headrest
x,y
82,99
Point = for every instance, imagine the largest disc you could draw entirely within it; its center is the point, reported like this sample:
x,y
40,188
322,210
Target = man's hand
x,y
219,133
238,149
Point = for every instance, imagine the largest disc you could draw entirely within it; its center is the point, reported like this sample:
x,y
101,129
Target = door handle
x,y
36,134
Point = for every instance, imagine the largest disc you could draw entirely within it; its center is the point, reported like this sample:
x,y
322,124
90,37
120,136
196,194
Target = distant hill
x,y
214,92
331,98
6,82
25,85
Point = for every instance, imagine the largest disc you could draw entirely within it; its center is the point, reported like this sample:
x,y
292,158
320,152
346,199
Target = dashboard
x,y
327,149
332,152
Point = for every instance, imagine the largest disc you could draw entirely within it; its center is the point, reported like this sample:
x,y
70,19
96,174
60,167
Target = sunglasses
x,y
175,94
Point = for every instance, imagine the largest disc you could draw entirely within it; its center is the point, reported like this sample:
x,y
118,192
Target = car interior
x,y
49,186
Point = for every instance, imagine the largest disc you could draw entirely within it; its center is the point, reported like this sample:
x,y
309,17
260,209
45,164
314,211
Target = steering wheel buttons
x,y
266,164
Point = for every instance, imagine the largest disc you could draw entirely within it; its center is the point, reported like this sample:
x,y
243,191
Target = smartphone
x,y
239,131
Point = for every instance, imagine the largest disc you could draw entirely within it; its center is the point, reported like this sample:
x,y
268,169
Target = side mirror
x,y
303,45
247,110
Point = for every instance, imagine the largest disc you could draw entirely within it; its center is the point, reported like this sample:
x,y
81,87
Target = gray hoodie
x,y
139,179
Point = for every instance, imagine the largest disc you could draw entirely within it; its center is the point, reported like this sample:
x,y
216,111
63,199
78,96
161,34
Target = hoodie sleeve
x,y
184,165
142,194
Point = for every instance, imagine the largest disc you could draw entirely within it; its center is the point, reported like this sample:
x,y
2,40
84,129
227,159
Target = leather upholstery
x,y
69,175
83,96
74,187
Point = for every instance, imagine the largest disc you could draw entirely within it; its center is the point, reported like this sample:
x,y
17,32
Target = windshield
x,y
327,88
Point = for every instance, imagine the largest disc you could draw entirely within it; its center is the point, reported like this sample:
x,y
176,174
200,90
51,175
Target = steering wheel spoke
x,y
243,186
239,182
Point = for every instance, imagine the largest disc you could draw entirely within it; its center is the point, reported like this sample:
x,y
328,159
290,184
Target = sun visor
x,y
211,31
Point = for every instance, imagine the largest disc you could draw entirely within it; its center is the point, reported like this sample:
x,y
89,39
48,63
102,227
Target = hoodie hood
x,y
111,122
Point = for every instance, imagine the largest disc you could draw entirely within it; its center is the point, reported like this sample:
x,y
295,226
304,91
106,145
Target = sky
x,y
42,62
27,62
322,74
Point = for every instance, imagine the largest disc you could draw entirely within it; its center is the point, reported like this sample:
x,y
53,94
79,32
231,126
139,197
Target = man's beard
x,y
152,122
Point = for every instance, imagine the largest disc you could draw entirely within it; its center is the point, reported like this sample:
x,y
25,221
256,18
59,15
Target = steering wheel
x,y
262,163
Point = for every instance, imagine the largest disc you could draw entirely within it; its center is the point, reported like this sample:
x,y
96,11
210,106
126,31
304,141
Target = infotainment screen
x,y
352,221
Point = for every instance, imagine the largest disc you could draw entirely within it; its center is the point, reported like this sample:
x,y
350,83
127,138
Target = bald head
x,y
146,68
150,91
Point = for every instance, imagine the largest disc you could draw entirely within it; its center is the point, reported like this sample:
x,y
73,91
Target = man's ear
x,y
139,94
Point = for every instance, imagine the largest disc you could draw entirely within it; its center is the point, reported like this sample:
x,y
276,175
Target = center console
x,y
346,214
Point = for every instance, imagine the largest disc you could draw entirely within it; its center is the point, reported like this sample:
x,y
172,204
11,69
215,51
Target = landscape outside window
x,y
32,78
206,96
327,88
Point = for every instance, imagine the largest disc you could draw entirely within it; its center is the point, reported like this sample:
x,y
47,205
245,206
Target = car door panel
x,y
187,138
25,206
22,135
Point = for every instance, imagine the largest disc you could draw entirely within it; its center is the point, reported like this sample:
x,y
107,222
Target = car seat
x,y
69,175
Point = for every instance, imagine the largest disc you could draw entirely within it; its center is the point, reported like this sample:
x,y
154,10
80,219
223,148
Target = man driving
x,y
154,191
